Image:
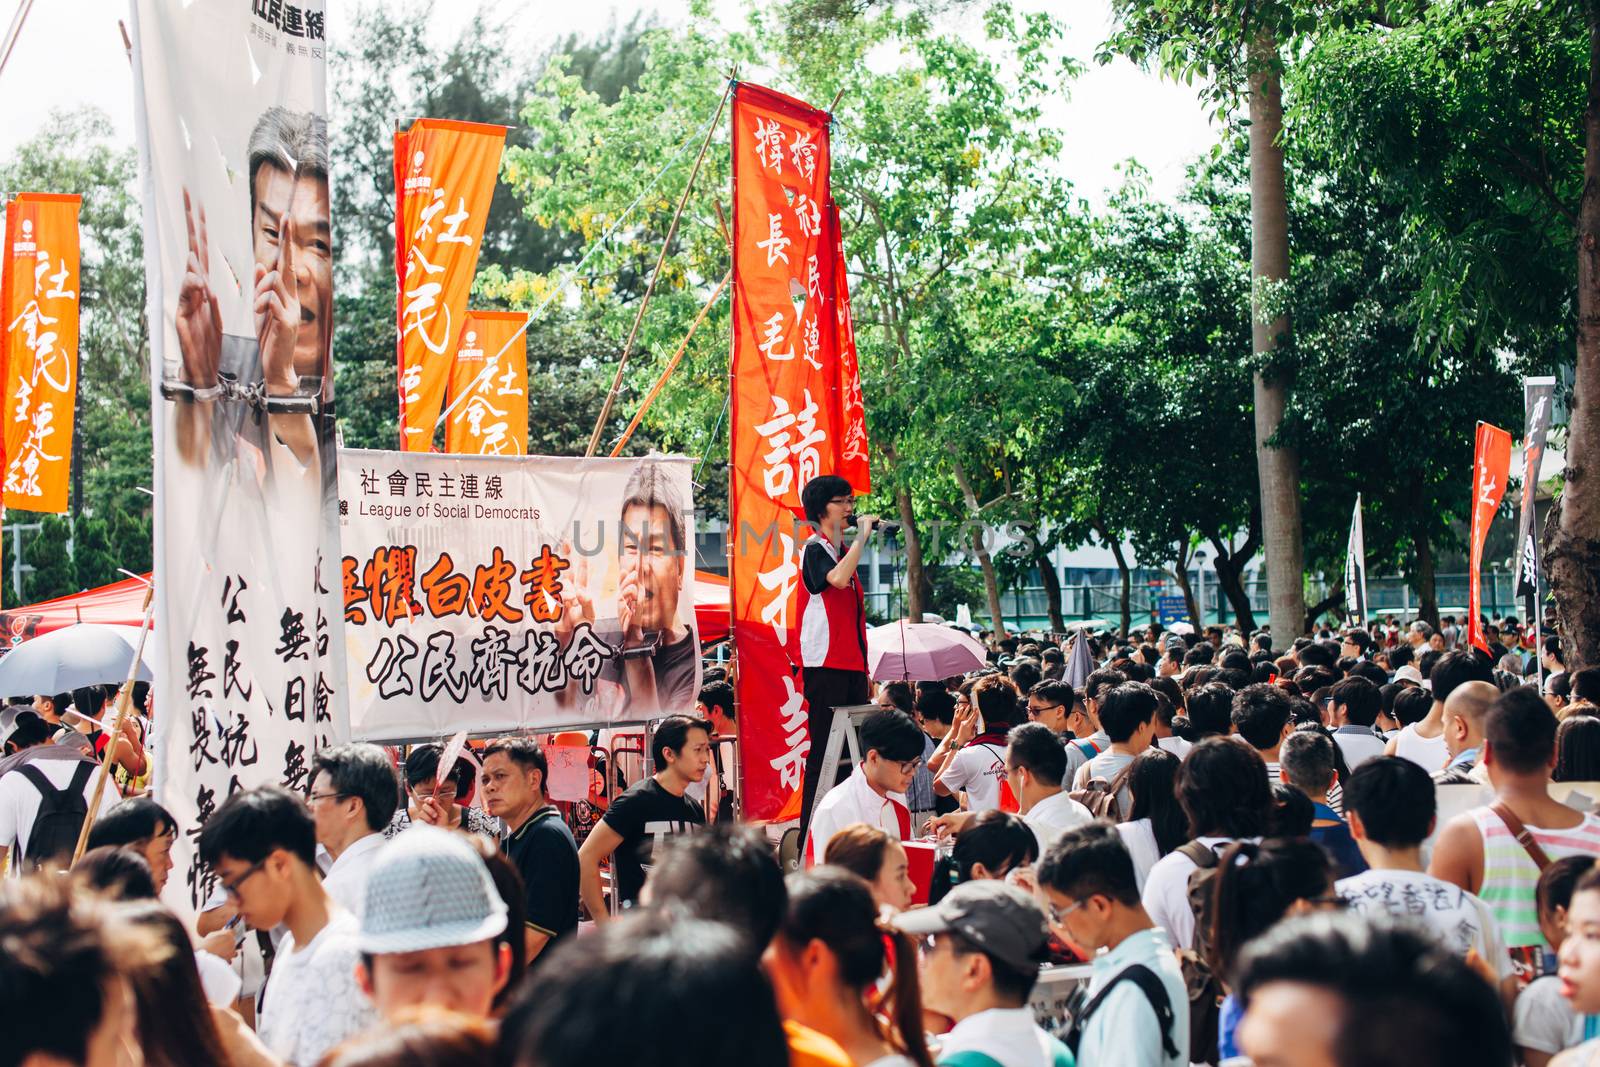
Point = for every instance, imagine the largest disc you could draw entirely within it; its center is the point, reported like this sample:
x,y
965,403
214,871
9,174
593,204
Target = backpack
x,y
1150,985
1100,796
1203,986
59,820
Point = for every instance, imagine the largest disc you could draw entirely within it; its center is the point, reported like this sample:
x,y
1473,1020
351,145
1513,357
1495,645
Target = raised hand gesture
x,y
277,308
199,321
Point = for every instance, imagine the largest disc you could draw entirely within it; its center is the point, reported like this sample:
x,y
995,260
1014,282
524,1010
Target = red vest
x,y
833,623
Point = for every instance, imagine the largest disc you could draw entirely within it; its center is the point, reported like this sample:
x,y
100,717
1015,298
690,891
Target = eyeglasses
x,y
1035,712
907,766
232,888
1059,915
443,792
314,797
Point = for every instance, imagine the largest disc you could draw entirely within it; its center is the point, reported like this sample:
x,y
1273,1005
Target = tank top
x,y
1510,876
1428,753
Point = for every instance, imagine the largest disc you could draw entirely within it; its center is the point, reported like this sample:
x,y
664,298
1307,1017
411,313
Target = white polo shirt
x,y
853,801
1054,816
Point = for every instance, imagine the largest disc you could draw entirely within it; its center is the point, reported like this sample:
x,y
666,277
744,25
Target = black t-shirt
x,y
643,816
544,853
674,666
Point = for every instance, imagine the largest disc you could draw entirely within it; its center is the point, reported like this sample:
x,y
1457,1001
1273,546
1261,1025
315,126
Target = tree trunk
x,y
1180,574
991,581
1277,466
1230,567
1052,588
1427,594
1572,537
1124,572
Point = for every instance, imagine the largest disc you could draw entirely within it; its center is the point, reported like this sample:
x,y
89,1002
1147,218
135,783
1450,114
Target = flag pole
x,y
672,364
124,705
649,289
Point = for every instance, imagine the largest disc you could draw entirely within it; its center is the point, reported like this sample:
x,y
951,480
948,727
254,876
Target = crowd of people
x,y
1376,847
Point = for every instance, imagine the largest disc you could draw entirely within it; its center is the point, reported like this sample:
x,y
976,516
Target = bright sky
x,y
70,53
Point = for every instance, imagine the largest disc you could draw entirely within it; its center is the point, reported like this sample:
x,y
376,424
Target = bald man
x,y
1464,710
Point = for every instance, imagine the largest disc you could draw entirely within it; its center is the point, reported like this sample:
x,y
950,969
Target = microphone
x,y
889,527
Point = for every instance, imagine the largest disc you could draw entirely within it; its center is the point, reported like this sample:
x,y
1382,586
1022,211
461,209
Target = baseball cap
x,y
1408,673
998,918
427,889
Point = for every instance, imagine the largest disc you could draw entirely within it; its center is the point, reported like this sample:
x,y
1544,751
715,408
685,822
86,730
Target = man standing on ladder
x,y
832,612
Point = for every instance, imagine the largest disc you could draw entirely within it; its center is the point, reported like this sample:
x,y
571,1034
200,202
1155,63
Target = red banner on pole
x,y
785,416
1491,463
853,463
488,411
444,176
41,348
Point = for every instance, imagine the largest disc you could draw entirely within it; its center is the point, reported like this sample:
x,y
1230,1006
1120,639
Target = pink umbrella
x,y
921,652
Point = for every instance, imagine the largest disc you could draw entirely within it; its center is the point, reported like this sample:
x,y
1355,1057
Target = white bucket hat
x,y
427,889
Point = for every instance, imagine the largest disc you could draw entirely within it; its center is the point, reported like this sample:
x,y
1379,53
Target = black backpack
x,y
1205,988
60,818
1150,985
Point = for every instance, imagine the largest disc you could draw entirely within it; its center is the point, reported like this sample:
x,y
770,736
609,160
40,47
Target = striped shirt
x,y
1510,875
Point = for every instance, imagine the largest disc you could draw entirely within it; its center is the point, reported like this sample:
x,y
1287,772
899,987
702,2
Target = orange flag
x,y
488,410
444,177
40,303
1491,463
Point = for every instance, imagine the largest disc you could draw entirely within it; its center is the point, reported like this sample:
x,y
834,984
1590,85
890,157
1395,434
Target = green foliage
x,y
53,571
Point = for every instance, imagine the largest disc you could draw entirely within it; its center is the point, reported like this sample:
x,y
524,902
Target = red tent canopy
x,y
123,603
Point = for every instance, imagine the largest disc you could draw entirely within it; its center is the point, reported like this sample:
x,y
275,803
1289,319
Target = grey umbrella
x,y
82,654
1079,665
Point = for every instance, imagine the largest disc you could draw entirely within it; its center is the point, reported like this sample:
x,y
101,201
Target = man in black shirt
x,y
538,841
644,816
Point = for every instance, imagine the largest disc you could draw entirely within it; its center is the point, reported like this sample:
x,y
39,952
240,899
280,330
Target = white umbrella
x,y
921,652
83,654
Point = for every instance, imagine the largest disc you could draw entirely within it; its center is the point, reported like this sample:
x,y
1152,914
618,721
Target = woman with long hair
x,y
1156,824
1577,750
827,961
878,859
176,1026
990,846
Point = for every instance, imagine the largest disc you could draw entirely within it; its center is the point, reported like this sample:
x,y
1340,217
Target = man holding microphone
x,y
832,613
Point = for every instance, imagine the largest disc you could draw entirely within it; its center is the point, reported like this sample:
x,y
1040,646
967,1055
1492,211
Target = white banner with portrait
x,y
230,103
503,594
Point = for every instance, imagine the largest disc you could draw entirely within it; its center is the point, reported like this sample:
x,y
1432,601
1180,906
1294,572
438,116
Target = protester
x,y
262,846
1127,714
1341,991
538,841
425,1038
978,767
981,947
1577,750
878,859
1157,824
508,884
1580,963
1209,710
715,704
1557,690
1307,762
1356,704
432,802
891,750
1055,704
64,994
1423,742
1482,850
1261,715
354,794
143,825
175,1022
45,793
642,817
827,960
654,989
429,931
1545,1022
1390,804
1462,725
1035,767
1255,887
1136,1008
1223,789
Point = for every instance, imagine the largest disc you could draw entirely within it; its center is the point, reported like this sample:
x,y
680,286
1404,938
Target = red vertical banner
x,y
41,348
488,410
1491,463
444,177
853,463
784,425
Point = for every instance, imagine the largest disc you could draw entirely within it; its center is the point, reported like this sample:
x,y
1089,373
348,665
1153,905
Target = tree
x,y
46,551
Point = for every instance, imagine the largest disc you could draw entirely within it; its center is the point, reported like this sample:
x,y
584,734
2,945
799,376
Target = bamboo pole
x,y
124,704
672,364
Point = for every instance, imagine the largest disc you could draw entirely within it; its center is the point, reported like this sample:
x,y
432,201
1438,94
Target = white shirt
x,y
1545,1021
1429,753
346,880
977,770
1125,1029
1166,892
1054,816
1461,920
1175,745
1140,837
1009,1036
220,982
20,798
1358,743
850,802
312,1001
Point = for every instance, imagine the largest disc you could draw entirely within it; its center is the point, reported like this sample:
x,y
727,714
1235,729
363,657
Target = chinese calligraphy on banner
x,y
488,402
500,594
444,175
788,414
40,312
230,103
1491,463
